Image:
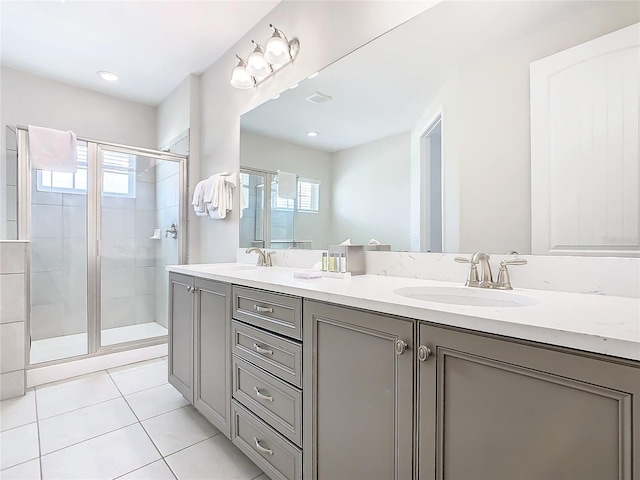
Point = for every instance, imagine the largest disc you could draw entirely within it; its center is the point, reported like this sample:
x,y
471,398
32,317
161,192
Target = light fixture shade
x,y
257,65
240,77
276,51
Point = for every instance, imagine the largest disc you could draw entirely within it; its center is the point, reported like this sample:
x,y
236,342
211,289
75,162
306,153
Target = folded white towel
x,y
198,197
53,150
287,184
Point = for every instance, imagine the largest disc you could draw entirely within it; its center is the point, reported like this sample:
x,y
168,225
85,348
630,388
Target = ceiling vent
x,y
318,98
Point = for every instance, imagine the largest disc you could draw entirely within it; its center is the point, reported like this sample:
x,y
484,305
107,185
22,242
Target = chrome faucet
x,y
485,278
264,258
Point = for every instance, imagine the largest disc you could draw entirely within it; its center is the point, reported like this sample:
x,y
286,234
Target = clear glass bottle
x,y
325,261
343,262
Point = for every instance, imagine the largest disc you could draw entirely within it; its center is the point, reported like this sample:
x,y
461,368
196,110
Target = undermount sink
x,y
475,297
231,267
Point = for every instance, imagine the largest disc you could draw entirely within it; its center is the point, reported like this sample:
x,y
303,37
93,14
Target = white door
x,y
584,148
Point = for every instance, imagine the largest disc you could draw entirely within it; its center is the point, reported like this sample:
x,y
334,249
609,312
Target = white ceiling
x,y
151,44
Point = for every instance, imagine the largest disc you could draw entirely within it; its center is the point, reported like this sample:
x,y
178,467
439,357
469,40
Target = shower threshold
x,y
67,346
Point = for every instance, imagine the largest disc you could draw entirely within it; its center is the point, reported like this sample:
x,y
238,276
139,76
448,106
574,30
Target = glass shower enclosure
x,y
100,239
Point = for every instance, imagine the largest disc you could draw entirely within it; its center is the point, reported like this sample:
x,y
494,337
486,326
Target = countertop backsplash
x,y
615,276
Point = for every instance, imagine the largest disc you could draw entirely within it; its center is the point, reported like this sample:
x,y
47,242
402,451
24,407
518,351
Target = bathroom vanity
x,y
386,377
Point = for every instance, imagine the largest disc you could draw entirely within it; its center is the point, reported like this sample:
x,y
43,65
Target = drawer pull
x,y
262,351
260,309
262,396
260,448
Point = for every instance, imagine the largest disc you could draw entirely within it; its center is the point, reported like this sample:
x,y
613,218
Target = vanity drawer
x,y
276,456
276,402
280,357
271,311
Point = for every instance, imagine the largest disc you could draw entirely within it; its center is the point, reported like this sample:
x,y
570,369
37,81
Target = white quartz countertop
x,y
594,323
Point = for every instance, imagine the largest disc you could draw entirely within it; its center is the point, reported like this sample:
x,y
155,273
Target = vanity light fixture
x,y
263,63
312,134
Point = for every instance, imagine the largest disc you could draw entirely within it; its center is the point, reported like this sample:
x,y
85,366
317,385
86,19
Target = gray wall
x,y
371,192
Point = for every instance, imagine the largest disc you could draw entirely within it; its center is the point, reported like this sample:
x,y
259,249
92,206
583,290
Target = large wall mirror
x,y
422,136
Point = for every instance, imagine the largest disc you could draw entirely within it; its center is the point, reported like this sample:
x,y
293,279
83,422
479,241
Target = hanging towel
x,y
53,150
287,184
198,198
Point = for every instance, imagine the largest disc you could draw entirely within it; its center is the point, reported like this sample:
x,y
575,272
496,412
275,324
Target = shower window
x,y
118,176
308,196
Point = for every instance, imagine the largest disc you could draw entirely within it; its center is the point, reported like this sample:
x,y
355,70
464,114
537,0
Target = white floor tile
x,y
178,429
108,456
155,401
214,459
156,471
25,471
74,427
18,411
68,395
140,376
18,445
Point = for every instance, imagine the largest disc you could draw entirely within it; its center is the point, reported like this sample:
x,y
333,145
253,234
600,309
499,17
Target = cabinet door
x,y
212,389
494,409
181,306
358,395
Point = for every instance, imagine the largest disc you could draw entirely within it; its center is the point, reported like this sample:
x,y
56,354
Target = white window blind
x,y
308,196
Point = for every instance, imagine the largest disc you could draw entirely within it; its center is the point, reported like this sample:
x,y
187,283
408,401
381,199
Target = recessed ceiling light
x,y
276,97
293,86
313,76
312,134
108,76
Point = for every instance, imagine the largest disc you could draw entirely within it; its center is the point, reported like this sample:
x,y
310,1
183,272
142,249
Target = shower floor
x,y
67,346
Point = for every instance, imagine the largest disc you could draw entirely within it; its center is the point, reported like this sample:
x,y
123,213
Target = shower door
x,y
100,239
139,204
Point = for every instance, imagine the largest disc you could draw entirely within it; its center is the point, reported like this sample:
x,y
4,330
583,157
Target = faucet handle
x,y
465,260
504,281
520,261
472,278
269,260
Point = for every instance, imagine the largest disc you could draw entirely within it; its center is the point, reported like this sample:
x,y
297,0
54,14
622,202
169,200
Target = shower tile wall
x,y
167,201
128,254
12,318
58,263
10,203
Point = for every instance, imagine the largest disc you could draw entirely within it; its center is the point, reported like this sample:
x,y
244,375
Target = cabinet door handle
x,y
260,448
401,347
193,289
260,309
423,353
262,351
262,396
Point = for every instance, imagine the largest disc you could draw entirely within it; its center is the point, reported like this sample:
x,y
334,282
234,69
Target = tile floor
x,y
125,423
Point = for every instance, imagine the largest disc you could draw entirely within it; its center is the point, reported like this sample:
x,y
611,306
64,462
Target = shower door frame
x,y
94,220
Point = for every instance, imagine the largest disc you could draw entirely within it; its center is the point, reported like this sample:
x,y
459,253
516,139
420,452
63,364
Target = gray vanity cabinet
x,y
497,409
358,394
181,322
200,344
